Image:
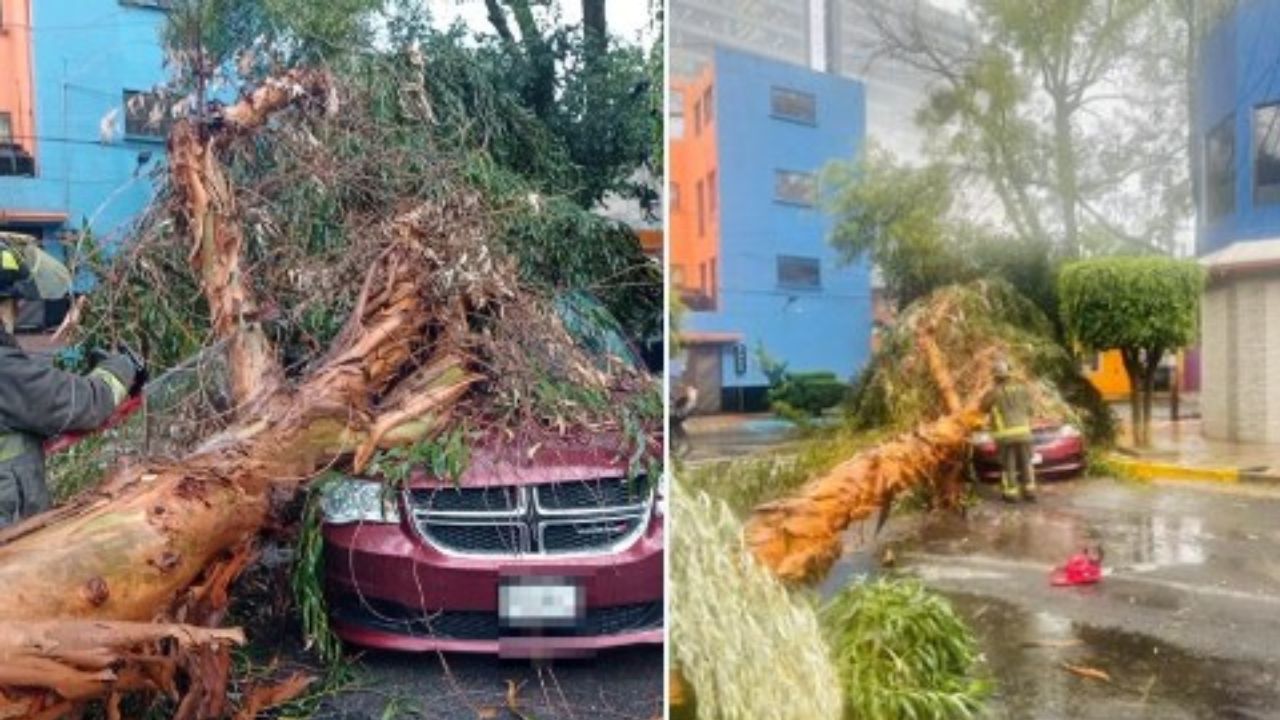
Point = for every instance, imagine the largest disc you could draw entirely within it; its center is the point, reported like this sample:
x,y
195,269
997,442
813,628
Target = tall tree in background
x,y
1065,110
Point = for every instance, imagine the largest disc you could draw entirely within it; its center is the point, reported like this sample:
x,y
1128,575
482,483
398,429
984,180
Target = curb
x,y
1152,470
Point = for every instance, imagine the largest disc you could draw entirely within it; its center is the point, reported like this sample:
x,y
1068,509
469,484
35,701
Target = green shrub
x,y
902,652
811,392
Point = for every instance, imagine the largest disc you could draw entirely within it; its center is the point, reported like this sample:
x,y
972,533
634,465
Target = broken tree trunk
x,y
800,537
159,541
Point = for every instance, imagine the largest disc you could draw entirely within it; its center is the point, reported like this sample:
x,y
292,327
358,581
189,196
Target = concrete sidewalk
x,y
1180,451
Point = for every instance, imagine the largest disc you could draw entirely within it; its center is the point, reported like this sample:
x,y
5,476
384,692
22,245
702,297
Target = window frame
x,y
707,104
713,199
777,91
7,117
1268,194
702,217
160,134
799,260
812,200
1227,124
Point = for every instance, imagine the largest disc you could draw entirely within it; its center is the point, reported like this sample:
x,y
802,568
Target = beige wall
x,y
1240,391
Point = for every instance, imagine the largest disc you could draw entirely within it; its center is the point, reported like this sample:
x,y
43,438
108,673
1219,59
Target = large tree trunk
x,y
163,540
800,537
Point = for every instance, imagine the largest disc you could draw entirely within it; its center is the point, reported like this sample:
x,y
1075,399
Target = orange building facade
x,y
17,104
694,190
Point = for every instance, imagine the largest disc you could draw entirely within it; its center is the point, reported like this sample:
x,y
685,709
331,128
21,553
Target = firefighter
x,y
38,401
1009,405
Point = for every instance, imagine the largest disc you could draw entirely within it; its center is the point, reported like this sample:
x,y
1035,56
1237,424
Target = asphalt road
x,y
618,685
1184,625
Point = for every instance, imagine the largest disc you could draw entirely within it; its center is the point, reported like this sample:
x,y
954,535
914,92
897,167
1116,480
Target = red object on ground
x,y
58,443
1082,569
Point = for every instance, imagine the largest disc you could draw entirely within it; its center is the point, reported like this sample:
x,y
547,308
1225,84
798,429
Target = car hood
x,y
537,460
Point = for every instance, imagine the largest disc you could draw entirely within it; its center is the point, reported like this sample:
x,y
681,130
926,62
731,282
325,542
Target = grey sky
x,y
627,18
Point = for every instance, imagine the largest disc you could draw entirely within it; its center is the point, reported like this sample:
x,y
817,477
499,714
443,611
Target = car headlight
x,y
350,500
660,496
1068,431
981,438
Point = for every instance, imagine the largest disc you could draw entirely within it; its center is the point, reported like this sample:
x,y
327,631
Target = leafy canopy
x,y
1131,302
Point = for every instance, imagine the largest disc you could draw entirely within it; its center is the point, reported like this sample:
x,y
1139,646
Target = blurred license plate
x,y
1037,459
530,602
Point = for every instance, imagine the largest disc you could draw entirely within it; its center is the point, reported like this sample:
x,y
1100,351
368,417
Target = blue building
x,y
79,125
749,247
1237,125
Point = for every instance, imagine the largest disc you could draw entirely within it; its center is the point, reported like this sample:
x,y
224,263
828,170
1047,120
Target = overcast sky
x,y
627,18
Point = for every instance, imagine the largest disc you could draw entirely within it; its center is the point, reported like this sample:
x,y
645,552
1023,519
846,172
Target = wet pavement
x,y
616,685
1186,622
717,437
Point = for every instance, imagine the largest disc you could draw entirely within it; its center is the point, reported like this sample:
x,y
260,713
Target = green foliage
x,y
897,217
748,647
903,652
904,219
744,484
1131,302
896,390
307,578
444,456
798,396
809,392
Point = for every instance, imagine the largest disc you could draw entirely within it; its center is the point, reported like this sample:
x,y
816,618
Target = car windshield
x,y
594,328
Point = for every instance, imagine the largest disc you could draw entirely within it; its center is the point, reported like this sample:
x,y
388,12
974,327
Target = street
x,y
619,685
1183,625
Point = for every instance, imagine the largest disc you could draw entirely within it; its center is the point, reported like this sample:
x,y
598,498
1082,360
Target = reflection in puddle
x,y
1027,651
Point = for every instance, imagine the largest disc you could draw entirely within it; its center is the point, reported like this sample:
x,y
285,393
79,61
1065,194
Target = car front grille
x,y
577,517
484,624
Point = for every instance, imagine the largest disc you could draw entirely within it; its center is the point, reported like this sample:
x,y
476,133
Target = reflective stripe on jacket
x,y
1010,413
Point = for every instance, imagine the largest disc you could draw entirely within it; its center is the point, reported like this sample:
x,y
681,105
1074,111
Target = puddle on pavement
x,y
1048,534
1026,652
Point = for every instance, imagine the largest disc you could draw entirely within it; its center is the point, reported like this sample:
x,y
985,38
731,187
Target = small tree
x,y
1141,306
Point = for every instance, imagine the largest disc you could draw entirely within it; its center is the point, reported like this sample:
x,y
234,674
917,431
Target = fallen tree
x,y
930,377
115,591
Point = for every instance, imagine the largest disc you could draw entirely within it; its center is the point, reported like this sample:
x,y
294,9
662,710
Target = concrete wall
x,y
1238,71
824,329
1240,397
86,54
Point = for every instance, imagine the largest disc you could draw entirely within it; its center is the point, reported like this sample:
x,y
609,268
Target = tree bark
x,y
163,540
799,537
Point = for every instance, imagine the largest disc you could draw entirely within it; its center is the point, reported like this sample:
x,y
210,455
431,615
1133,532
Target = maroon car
x,y
550,553
1058,453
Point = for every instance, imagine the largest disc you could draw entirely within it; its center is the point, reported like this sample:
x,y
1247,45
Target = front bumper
x,y
388,588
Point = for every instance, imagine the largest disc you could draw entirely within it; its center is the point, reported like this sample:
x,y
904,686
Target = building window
x,y
697,118
675,124
675,196
706,106
711,290
702,278
1220,168
799,273
711,193
146,115
6,128
156,4
702,224
1266,154
793,105
795,188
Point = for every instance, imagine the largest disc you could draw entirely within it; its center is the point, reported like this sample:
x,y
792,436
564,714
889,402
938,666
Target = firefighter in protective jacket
x,y
1009,405
37,400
